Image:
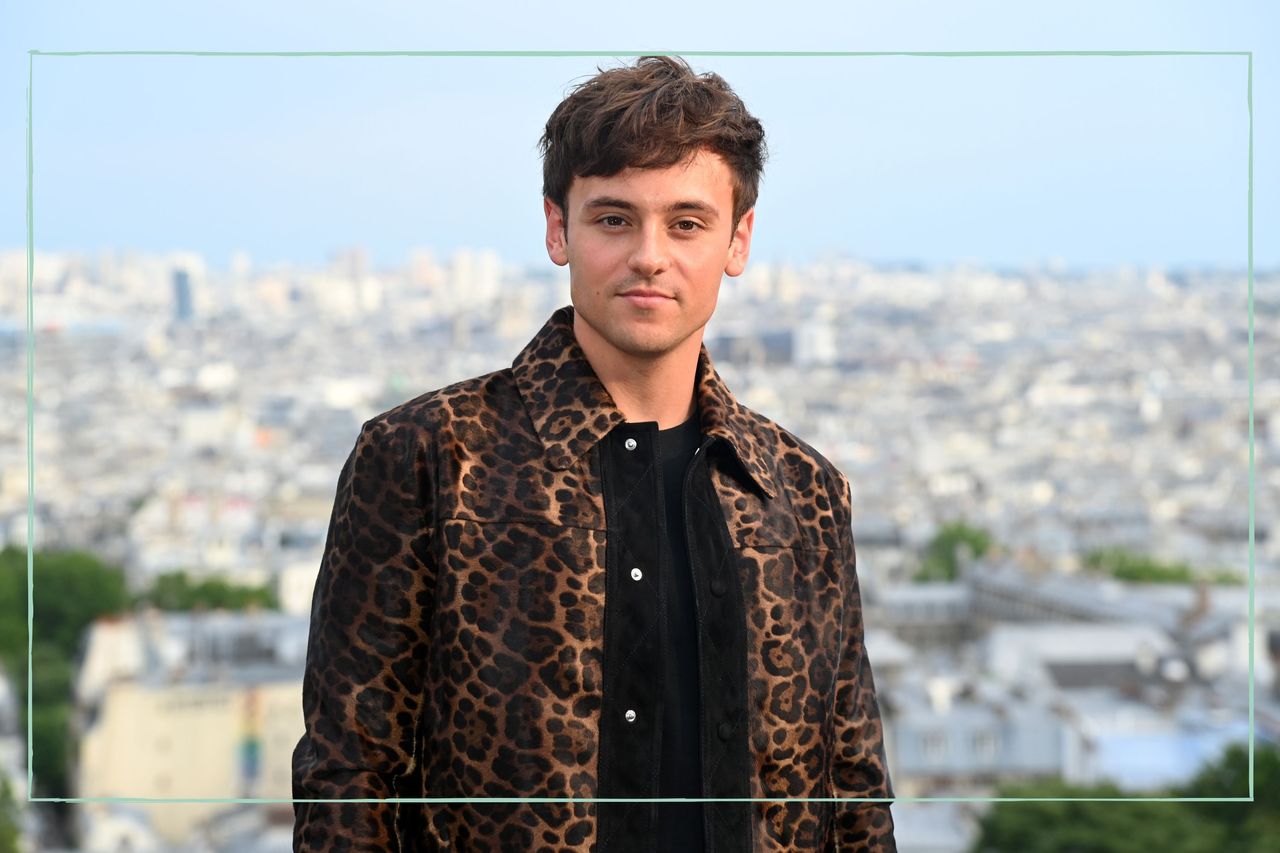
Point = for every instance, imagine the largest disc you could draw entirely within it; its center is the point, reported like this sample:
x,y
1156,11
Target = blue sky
x,y
1081,161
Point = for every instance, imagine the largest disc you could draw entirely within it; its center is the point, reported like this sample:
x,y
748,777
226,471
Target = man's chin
x,y
638,344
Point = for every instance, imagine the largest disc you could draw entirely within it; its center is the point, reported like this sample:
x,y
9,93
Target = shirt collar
x,y
571,409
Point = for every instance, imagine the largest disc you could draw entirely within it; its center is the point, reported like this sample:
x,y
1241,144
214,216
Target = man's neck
x,y
645,389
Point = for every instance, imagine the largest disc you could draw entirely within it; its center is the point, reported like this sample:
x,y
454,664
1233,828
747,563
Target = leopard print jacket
x,y
477,645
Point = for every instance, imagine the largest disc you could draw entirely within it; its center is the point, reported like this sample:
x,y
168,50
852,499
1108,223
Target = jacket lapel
x,y
572,410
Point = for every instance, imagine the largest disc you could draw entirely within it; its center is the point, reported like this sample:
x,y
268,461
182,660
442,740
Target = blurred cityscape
x,y
1084,438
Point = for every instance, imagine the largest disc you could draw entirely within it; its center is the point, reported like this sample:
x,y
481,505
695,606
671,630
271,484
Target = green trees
x,y
1127,566
941,560
1111,827
941,556
175,591
70,590
9,828
1248,826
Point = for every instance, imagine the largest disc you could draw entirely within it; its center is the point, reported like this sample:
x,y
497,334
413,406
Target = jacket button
x,y
717,586
630,444
636,574
725,730
630,715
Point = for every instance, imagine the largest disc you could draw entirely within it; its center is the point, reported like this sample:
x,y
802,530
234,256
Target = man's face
x,y
667,232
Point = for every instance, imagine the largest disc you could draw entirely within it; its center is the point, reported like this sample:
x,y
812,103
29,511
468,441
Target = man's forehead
x,y
702,181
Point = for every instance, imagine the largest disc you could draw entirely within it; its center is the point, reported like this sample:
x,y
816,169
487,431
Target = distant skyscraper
x,y
352,263
183,310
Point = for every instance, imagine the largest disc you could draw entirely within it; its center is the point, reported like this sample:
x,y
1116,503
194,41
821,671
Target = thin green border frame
x,y
550,53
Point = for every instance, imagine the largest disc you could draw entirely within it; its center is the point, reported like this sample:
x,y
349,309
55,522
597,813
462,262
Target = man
x,y
595,574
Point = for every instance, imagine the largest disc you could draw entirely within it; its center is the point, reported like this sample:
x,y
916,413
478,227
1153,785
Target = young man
x,y
595,574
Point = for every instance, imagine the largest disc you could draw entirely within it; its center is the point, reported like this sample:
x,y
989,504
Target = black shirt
x,y
680,774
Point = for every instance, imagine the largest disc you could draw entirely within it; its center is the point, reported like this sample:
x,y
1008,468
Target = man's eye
x,y
683,222
612,220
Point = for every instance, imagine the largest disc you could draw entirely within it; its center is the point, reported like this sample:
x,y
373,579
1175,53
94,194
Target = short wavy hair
x,y
654,113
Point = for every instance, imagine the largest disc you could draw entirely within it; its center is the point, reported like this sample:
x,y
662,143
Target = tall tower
x,y
183,308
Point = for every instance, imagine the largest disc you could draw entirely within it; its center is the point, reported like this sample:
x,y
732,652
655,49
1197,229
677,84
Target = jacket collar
x,y
571,409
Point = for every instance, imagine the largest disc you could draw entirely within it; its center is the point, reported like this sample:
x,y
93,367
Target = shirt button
x,y
725,730
717,586
630,715
636,574
630,444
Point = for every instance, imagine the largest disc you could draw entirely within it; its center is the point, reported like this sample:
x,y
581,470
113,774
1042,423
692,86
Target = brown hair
x,y
654,113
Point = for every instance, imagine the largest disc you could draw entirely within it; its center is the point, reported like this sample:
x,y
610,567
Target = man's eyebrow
x,y
690,204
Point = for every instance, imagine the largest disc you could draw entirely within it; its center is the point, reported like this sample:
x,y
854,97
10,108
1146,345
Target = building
x,y
188,705
183,302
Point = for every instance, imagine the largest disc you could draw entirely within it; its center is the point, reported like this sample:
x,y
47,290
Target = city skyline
x,y
242,260
1062,418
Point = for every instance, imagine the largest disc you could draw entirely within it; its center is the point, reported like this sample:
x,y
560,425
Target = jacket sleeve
x,y
363,685
859,769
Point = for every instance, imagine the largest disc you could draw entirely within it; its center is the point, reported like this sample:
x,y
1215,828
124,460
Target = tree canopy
x,y
1069,825
1125,565
176,591
941,560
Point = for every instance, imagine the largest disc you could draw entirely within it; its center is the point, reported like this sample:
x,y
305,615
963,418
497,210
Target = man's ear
x,y
557,250
740,244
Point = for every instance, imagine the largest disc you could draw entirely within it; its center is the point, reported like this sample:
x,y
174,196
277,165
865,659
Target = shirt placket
x,y
631,705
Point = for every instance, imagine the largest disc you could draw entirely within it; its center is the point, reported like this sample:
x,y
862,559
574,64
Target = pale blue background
x,y
1002,161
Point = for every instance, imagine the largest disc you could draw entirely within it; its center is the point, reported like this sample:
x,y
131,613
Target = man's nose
x,y
650,255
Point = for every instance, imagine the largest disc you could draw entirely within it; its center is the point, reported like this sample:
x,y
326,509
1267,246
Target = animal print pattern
x,y
456,635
